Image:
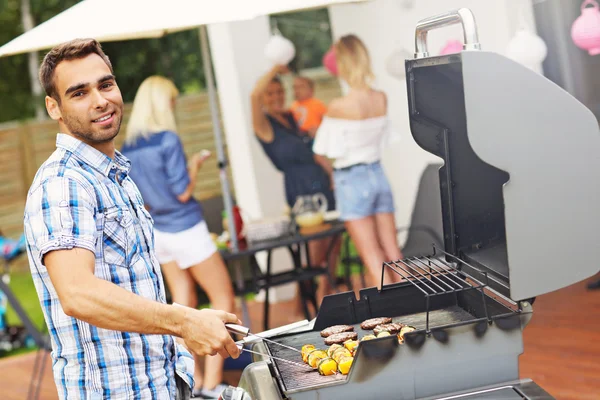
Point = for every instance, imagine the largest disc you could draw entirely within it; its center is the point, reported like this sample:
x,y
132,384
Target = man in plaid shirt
x,y
91,251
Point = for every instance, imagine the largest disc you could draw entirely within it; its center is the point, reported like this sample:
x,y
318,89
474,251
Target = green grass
x,y
21,285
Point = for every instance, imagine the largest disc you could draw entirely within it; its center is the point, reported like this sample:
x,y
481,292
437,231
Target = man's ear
x,y
53,108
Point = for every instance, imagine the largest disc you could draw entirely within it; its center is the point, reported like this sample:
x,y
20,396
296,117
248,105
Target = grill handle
x,y
464,16
238,329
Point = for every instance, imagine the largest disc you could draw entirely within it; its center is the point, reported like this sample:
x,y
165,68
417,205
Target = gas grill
x,y
519,191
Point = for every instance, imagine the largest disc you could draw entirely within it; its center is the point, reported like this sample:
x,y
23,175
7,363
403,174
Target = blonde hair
x,y
353,61
152,109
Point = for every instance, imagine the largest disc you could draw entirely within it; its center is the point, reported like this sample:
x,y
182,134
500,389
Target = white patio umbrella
x,y
115,20
112,20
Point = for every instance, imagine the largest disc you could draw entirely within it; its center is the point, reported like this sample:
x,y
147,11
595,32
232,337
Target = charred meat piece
x,y
332,330
340,337
373,322
393,327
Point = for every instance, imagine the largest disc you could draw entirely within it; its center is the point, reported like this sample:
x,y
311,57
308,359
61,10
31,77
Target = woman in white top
x,y
354,132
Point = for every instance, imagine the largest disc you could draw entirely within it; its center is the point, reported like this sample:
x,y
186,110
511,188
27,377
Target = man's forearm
x,y
106,305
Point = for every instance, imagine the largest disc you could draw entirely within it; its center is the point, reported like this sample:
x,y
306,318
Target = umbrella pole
x,y
228,202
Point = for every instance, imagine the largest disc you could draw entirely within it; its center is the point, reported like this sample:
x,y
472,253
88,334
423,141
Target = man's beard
x,y
87,134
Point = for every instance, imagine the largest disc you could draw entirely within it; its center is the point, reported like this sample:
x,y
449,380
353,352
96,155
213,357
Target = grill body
x,y
519,197
462,347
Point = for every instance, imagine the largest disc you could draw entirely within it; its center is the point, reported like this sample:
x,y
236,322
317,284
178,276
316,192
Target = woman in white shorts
x,y
183,244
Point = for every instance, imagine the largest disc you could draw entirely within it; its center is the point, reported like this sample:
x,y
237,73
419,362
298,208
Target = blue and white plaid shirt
x,y
82,198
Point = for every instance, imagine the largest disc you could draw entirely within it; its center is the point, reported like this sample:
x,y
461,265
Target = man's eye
x,y
106,85
78,94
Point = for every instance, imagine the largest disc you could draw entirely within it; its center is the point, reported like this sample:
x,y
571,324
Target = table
x,y
296,244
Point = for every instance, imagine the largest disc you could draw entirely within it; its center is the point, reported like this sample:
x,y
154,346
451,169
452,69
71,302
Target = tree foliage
x,y
176,56
309,31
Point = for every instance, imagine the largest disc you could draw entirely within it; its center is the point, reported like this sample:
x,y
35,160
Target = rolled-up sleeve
x,y
178,177
59,215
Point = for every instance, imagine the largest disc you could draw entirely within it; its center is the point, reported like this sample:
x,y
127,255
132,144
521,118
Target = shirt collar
x,y
94,158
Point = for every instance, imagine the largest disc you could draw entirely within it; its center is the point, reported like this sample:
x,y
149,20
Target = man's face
x,y
91,106
302,89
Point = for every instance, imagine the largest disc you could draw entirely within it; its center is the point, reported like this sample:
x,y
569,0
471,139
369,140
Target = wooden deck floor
x,y
562,348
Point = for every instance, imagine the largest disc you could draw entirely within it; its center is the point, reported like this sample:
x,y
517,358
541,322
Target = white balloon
x,y
279,50
394,64
527,48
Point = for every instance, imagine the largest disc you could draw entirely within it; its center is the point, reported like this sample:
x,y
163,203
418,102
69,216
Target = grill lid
x,y
520,185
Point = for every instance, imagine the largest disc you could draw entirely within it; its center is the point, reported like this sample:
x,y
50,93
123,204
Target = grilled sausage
x,y
393,327
340,337
373,322
332,330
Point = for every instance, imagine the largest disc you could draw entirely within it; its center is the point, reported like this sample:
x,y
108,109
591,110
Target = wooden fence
x,y
25,146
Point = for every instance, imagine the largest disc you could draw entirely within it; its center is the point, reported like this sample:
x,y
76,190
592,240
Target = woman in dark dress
x,y
290,151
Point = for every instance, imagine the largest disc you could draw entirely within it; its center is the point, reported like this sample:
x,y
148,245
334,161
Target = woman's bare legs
x,y
319,257
213,277
388,239
363,232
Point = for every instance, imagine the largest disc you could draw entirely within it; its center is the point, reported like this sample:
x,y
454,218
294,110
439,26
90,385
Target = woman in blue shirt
x,y
183,244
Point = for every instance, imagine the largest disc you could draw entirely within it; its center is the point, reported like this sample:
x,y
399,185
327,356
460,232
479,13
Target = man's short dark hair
x,y
73,50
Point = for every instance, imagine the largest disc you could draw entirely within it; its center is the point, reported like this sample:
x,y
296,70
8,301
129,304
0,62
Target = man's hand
x,y
204,332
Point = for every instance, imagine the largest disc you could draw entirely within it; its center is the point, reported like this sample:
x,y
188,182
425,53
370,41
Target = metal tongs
x,y
248,337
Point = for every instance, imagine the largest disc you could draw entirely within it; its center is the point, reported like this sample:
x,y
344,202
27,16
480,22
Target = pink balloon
x,y
330,63
451,47
585,31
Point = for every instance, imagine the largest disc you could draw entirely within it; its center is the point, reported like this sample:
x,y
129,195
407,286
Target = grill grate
x,y
434,276
295,378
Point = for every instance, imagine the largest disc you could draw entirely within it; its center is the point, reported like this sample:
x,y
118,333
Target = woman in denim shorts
x,y
354,132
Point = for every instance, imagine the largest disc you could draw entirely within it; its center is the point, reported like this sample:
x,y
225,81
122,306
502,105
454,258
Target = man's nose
x,y
100,101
